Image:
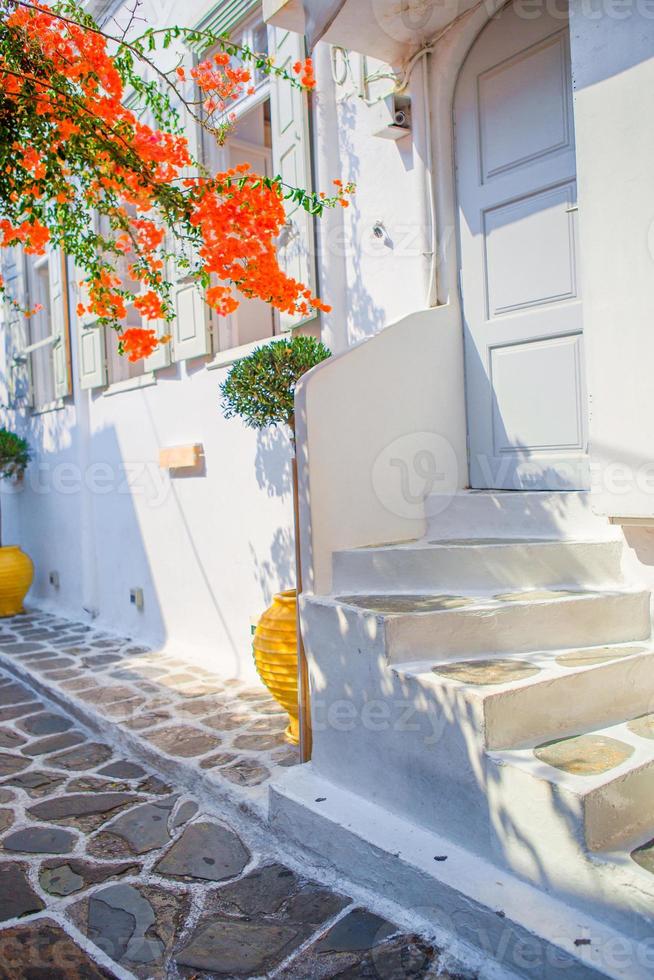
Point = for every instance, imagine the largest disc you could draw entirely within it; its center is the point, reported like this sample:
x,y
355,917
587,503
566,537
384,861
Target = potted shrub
x,y
260,389
16,569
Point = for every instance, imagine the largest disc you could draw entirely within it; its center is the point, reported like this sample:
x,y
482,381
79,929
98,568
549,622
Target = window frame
x,y
35,266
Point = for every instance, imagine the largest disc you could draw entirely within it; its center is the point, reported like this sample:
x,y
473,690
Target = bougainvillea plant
x,y
81,170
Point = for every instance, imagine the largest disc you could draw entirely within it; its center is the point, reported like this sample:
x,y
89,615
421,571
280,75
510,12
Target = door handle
x,y
575,207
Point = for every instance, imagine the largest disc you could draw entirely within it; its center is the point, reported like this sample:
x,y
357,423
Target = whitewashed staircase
x,y
448,675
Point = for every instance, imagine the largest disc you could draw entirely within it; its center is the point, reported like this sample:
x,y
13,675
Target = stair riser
x,y
483,568
528,515
567,817
621,811
520,627
570,703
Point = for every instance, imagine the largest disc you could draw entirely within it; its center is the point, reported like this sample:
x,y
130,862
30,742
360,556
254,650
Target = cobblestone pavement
x,y
109,868
171,708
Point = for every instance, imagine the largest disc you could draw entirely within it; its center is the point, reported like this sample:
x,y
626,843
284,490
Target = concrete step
x,y
479,564
541,695
597,786
423,627
499,514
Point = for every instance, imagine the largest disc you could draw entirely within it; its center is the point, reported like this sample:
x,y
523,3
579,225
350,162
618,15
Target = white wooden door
x,y
515,153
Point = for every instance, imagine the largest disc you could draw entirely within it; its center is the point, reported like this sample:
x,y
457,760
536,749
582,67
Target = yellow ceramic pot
x,y
16,574
275,654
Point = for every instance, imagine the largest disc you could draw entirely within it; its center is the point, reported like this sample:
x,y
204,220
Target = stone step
x,y
505,514
596,787
423,627
471,564
541,695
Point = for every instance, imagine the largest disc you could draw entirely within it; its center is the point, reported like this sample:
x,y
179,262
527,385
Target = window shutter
x,y
161,356
191,326
19,380
59,322
90,337
292,161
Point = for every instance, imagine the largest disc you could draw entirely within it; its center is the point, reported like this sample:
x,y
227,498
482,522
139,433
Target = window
x,y
46,334
250,142
254,37
271,134
41,358
120,368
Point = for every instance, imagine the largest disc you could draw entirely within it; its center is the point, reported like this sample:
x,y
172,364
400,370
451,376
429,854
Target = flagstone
x,y
148,720
10,739
45,723
20,647
184,741
220,759
40,840
12,694
6,819
135,926
86,756
53,743
250,926
17,897
12,711
258,741
642,726
184,813
487,672
77,806
122,770
584,755
66,878
36,782
205,851
41,949
246,772
145,827
9,764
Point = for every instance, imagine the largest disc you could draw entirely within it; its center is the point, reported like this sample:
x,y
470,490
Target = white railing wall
x,y
378,427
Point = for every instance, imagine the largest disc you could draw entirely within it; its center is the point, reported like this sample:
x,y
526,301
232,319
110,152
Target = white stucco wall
x,y
209,550
612,48
369,281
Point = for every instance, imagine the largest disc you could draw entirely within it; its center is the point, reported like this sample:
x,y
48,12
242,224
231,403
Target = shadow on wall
x,y
365,317
273,469
77,516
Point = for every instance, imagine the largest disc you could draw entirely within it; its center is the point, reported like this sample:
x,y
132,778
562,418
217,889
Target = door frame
x,y
446,60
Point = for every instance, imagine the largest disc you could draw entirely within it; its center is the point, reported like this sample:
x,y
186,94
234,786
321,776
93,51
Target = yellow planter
x,y
16,574
275,654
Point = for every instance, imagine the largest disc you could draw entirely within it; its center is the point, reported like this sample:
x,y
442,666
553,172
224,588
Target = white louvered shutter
x,y
292,162
58,324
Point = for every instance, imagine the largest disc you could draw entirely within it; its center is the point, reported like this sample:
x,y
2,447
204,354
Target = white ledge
x,y
130,384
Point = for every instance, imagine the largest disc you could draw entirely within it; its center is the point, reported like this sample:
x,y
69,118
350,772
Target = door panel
x,y
516,179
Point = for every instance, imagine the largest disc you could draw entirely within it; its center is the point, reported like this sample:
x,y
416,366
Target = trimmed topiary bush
x,y
260,388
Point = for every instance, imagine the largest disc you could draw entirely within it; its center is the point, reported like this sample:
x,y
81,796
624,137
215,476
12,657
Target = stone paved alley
x,y
131,841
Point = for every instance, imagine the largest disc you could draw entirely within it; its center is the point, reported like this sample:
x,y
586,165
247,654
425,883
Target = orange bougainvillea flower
x,y
139,342
82,153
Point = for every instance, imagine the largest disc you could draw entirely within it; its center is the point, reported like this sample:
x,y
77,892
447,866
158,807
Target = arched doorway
x,y
519,255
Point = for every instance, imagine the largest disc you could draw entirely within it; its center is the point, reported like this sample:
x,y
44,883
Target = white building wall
x,y
209,550
612,49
